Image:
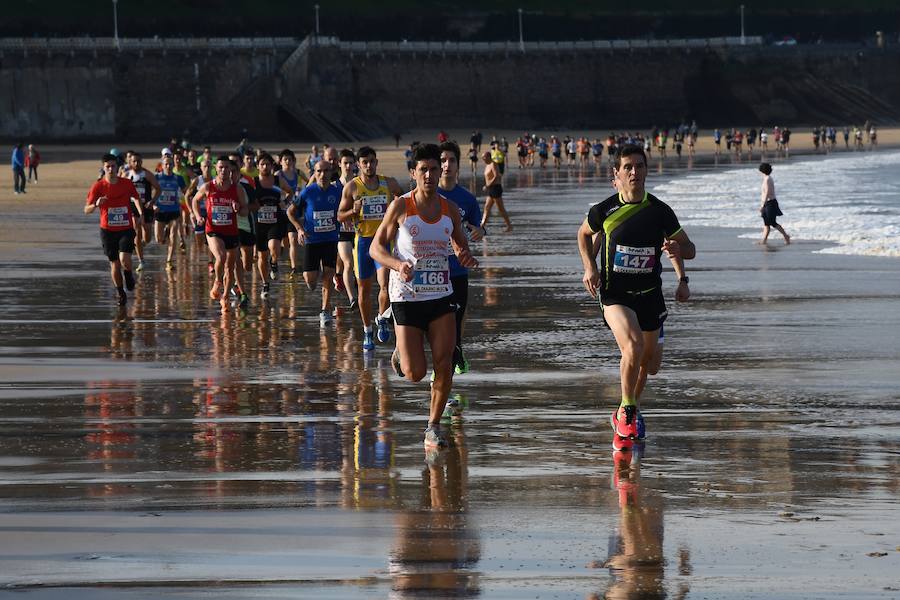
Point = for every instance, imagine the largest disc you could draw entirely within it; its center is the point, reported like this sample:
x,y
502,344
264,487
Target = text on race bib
x,y
323,221
167,199
432,275
374,207
634,259
222,215
117,216
267,214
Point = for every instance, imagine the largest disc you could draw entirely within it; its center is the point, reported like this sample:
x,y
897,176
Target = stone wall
x,y
336,90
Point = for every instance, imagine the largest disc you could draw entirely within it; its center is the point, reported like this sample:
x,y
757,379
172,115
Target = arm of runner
x,y
292,216
473,218
683,244
591,277
380,248
394,187
243,204
154,185
348,209
195,203
673,251
460,242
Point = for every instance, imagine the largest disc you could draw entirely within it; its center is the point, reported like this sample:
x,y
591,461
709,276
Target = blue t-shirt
x,y
319,209
171,187
469,212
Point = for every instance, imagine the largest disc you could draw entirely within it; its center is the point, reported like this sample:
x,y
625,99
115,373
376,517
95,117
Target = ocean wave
x,y
852,201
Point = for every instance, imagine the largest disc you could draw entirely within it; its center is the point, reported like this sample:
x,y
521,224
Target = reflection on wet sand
x,y
636,557
438,548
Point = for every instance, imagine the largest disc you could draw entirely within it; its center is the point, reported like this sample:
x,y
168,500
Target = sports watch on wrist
x,y
684,279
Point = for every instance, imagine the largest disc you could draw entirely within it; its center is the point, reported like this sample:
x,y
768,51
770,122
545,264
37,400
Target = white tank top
x,y
426,246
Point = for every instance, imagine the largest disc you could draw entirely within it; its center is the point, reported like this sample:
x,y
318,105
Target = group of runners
x,y
413,244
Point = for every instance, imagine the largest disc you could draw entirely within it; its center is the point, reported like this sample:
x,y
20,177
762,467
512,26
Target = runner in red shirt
x,y
113,196
225,200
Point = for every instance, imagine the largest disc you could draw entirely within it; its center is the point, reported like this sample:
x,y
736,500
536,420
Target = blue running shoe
x,y
368,342
382,331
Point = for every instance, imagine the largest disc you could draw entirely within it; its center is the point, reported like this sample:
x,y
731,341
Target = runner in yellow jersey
x,y
364,202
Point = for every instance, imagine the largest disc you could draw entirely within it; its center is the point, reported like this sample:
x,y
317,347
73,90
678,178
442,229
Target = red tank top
x,y
220,215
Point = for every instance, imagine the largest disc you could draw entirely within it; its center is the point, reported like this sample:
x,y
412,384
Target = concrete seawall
x,y
283,88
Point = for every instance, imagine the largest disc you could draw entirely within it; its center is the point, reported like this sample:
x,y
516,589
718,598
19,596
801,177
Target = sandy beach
x,y
165,449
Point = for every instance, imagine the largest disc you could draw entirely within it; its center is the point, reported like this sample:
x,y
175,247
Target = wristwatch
x,y
684,279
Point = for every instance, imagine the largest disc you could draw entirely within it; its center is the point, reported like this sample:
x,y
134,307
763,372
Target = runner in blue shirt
x,y
168,208
314,215
470,214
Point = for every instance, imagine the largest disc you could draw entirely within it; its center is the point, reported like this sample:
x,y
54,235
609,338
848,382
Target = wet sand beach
x,y
165,450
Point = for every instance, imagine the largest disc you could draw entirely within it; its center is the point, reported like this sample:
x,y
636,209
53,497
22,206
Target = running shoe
x,y
123,297
352,305
170,266
182,247
324,318
273,270
460,363
292,274
628,423
454,408
368,341
382,331
210,267
435,438
243,301
395,363
140,266
265,291
129,279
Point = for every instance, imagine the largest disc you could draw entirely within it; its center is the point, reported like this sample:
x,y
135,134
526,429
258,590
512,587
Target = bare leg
x,y
502,210
384,300
441,338
787,238
624,324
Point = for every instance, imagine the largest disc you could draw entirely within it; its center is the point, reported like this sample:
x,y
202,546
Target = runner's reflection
x,y
636,559
438,548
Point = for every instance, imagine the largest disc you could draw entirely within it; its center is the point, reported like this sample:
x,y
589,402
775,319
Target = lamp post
x,y
521,38
116,23
743,40
317,23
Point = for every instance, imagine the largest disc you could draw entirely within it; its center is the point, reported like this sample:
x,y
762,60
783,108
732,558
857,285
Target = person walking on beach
x,y
493,185
18,169
635,229
112,195
413,241
769,206
32,160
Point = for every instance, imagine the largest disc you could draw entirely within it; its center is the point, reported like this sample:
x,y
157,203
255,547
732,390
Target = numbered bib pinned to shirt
x,y
634,259
267,214
117,216
374,207
323,221
431,275
222,215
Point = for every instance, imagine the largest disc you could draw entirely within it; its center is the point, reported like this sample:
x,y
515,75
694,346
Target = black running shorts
x,y
231,241
421,314
460,296
166,217
115,242
650,307
246,238
266,232
317,257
